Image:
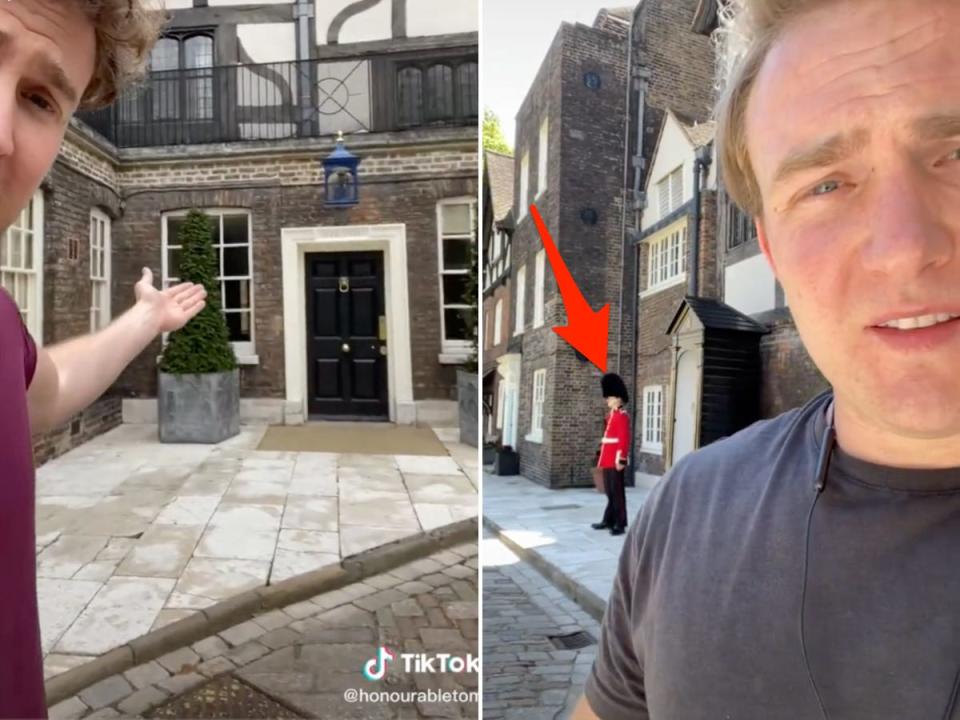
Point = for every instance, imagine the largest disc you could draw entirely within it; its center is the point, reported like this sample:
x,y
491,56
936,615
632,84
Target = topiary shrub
x,y
203,344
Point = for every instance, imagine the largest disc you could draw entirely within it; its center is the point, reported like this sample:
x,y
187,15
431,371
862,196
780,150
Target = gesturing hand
x,y
171,308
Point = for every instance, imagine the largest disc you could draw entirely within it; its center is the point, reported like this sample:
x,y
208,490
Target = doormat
x,y
354,438
225,697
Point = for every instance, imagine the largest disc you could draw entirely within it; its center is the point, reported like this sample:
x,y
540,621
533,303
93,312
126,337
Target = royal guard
x,y
614,451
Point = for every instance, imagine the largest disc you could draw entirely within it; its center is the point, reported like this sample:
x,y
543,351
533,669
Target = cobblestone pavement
x,y
309,656
525,676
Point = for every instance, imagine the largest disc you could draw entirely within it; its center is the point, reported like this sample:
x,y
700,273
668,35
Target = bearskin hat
x,y
612,385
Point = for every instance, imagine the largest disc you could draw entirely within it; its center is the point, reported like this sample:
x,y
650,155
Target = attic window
x,y
592,80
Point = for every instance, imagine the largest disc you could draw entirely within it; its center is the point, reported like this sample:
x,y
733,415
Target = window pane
x,y
238,326
235,230
455,289
456,254
173,230
439,95
173,262
198,51
468,89
165,55
236,294
456,324
199,86
410,96
236,260
16,249
28,250
456,219
166,95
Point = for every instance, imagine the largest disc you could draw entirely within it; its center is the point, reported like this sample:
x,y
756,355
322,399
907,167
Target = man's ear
x,y
765,244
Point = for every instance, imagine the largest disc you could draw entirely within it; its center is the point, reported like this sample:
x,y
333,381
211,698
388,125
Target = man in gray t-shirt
x,y
753,585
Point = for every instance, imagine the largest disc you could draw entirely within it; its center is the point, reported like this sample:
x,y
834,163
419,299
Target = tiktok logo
x,y
376,668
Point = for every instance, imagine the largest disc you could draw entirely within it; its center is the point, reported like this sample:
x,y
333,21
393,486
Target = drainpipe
x,y
637,202
701,164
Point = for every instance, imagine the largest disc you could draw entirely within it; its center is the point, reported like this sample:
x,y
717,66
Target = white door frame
x,y
391,240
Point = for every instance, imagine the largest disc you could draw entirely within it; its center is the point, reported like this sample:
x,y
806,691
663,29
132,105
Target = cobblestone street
x,y
525,675
301,661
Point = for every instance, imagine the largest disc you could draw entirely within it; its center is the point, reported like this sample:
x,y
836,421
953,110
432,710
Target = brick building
x,y
497,330
235,118
569,163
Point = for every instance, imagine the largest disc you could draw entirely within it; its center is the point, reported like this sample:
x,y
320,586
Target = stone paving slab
x,y
133,535
308,656
554,527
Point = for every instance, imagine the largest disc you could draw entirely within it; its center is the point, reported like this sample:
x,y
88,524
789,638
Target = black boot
x,y
599,526
616,531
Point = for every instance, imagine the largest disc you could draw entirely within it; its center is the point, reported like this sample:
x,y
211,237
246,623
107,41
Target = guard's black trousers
x,y
615,516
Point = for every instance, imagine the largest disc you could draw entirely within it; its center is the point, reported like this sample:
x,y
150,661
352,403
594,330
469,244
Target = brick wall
x,y
273,206
789,377
105,414
585,171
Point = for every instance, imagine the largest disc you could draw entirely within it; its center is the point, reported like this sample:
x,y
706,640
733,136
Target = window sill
x,y
678,280
242,360
652,449
536,437
453,358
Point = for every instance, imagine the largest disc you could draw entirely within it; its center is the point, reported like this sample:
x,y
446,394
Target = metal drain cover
x,y
224,697
573,641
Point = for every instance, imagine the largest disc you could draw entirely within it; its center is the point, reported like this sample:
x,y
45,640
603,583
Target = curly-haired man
x,y
56,56
806,567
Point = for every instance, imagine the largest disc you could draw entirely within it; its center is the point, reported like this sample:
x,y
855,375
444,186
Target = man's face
x,y
47,53
853,129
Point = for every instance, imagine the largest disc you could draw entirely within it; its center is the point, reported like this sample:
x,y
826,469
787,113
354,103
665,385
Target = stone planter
x,y
507,462
468,398
199,408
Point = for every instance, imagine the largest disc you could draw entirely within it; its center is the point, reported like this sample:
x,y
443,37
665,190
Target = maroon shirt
x,y
21,664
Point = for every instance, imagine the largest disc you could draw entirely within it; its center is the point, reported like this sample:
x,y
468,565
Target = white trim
x,y
524,186
34,323
651,448
392,241
678,280
520,301
539,282
98,216
543,153
453,348
538,400
498,322
246,350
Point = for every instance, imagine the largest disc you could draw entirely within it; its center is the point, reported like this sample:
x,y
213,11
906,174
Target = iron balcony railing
x,y
299,99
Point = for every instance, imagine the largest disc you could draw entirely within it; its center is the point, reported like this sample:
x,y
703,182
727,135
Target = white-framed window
x,y
536,405
21,264
520,302
501,401
670,191
652,437
667,258
497,322
524,186
542,154
538,299
234,250
100,243
455,238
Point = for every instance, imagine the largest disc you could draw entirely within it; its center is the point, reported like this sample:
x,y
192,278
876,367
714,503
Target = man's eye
x,y
41,102
825,187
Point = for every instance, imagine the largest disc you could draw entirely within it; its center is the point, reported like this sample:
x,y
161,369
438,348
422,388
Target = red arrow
x,y
585,330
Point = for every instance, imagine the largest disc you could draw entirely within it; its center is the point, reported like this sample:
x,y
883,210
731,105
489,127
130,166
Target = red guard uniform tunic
x,y
615,444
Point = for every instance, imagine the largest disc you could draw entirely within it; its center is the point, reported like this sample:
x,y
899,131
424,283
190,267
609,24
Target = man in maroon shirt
x,y
54,56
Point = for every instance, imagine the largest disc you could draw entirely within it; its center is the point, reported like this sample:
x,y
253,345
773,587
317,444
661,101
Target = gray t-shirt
x,y
704,617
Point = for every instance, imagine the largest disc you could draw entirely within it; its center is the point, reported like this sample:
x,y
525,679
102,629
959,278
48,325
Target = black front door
x,y
346,336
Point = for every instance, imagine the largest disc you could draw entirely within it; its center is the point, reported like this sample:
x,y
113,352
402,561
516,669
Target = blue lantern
x,y
340,176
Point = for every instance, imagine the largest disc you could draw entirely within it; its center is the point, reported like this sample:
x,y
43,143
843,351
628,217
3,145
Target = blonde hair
x,y
756,24
125,31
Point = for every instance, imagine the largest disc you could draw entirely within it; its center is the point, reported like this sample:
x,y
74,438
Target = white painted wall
x,y
675,148
750,286
269,42
440,17
424,17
